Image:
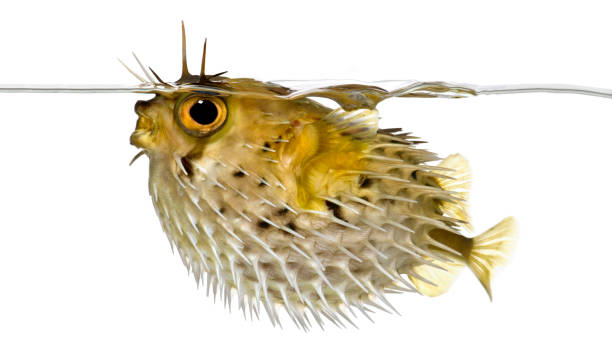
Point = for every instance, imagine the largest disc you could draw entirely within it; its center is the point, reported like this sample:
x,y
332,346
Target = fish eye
x,y
200,116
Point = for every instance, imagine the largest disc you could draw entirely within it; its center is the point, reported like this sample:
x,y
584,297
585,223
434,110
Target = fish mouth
x,y
141,137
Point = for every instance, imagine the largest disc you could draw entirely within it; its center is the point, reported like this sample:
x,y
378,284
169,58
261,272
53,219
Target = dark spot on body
x,y
364,182
263,182
430,181
187,166
283,211
263,224
290,225
365,198
267,145
239,173
335,209
222,210
413,174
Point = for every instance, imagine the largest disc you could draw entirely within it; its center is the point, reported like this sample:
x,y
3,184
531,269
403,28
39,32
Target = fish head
x,y
177,122
204,133
230,115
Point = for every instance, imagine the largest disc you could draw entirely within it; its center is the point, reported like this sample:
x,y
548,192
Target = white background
x,y
87,274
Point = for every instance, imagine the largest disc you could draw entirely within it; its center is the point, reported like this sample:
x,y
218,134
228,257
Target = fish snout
x,y
141,136
140,107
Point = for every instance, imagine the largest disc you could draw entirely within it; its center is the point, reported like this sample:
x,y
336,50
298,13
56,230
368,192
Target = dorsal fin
x,y
459,181
360,123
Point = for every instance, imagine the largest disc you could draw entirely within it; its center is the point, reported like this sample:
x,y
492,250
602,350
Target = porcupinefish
x,y
276,200
293,204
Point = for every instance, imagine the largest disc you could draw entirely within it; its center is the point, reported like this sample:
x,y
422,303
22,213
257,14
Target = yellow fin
x,y
359,123
432,281
459,170
491,249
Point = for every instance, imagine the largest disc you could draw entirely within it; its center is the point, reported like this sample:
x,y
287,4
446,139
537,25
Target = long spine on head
x,y
144,70
185,71
203,66
185,75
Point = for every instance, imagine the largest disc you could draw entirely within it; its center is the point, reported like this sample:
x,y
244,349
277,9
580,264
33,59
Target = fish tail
x,y
491,249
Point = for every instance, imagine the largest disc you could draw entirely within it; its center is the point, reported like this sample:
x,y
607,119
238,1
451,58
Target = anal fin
x,y
433,281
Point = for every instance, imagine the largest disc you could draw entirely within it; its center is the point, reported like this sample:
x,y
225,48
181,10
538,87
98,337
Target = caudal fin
x,y
491,249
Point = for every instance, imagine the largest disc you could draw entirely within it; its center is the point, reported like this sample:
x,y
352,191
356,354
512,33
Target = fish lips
x,y
142,135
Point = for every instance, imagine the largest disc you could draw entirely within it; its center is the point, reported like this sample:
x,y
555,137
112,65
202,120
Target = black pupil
x,y
204,112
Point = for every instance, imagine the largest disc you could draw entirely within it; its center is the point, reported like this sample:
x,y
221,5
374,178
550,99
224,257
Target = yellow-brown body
x,y
290,203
